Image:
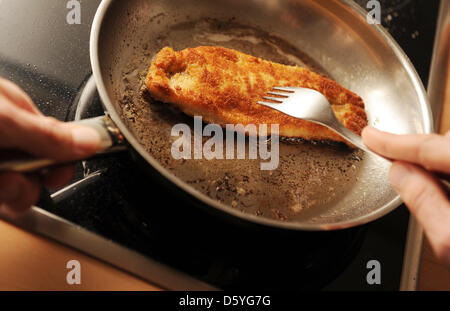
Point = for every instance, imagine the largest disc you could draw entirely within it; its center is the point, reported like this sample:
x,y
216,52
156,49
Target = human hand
x,y
23,127
417,159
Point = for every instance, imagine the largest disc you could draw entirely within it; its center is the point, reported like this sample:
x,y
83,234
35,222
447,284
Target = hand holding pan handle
x,y
111,140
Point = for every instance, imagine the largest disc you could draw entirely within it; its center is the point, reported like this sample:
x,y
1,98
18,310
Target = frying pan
x,y
317,186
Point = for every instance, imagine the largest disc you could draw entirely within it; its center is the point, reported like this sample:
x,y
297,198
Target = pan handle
x,y
111,138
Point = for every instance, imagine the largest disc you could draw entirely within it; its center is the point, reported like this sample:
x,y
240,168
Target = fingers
x,y
24,128
18,192
430,151
44,136
16,95
427,200
58,176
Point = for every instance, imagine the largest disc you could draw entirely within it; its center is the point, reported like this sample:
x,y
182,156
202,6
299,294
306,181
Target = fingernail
x,y
86,139
371,129
398,174
367,130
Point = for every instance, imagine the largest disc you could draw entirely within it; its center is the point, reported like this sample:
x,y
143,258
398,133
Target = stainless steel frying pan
x,y
316,187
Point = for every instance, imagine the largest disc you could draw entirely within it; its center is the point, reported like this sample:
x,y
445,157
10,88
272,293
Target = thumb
x,y
47,137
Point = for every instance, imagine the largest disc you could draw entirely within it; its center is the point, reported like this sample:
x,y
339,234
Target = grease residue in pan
x,y
310,176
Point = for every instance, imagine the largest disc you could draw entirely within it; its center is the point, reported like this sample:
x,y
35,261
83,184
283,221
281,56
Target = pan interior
x,y
314,182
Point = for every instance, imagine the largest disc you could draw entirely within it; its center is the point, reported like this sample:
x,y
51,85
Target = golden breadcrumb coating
x,y
223,86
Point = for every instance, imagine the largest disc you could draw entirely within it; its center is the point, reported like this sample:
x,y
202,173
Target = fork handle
x,y
357,141
353,138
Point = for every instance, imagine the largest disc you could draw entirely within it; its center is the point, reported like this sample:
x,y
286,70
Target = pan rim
x,y
363,219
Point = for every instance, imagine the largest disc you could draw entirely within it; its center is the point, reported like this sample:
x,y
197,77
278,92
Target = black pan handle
x,y
112,140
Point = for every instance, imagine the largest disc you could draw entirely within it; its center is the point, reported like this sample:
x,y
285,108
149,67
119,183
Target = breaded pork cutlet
x,y
223,86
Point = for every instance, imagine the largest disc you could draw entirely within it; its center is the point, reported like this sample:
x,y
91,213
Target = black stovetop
x,y
50,60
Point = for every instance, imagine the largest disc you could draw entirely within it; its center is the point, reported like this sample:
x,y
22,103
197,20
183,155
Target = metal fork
x,y
310,105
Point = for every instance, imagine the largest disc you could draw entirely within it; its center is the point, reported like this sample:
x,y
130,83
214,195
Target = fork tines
x,y
283,93
274,99
284,89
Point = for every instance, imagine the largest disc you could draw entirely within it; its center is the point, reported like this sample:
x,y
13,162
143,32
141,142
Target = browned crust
x,y
224,85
